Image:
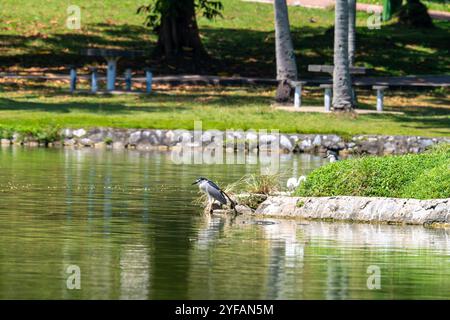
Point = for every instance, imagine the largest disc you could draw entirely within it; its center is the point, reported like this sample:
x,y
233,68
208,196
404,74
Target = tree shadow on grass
x,y
160,102
421,111
90,107
393,49
432,120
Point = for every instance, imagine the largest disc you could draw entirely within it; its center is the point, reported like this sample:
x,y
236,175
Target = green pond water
x,y
127,220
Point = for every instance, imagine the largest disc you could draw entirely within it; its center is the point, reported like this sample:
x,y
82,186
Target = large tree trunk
x,y
351,31
178,34
286,65
342,88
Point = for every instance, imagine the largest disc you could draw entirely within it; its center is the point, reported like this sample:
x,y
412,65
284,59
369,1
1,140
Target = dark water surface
x,y
126,219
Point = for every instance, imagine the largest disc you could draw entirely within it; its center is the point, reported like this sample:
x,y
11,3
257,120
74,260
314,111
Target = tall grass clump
x,y
256,183
420,176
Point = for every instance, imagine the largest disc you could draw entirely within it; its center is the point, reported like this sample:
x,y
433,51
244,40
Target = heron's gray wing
x,y
213,185
216,194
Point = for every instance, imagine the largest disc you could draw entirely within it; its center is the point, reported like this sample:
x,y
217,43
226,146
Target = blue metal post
x,y
94,86
73,79
149,79
128,79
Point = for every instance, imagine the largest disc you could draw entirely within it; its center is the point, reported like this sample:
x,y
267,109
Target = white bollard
x,y
298,96
94,85
380,96
327,99
111,73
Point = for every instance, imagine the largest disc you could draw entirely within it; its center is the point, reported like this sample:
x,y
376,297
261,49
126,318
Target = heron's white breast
x,y
203,185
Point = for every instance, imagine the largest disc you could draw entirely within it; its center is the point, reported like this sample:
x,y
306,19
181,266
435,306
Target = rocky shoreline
x,y
434,212
151,139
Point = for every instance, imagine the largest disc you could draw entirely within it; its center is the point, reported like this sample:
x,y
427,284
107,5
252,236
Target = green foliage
x,y
300,203
159,8
43,135
47,135
108,141
6,133
420,176
433,183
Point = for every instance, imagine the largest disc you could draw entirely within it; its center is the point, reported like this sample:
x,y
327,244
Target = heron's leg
x,y
210,203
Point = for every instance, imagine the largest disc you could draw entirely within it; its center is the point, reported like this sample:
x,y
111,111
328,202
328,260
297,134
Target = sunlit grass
x,y
425,113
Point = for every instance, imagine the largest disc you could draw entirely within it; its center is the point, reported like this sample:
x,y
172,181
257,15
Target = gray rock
x,y
67,133
285,143
306,145
134,137
86,142
240,209
16,138
389,148
241,140
99,145
251,140
69,142
79,133
363,209
317,141
118,145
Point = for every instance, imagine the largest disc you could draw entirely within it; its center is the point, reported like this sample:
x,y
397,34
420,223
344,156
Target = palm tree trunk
x,y
352,39
286,65
342,88
351,31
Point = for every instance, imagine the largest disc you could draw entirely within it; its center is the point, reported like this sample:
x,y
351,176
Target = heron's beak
x,y
195,182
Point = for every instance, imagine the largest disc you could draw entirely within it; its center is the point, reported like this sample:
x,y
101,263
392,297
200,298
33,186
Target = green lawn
x,y
425,113
34,37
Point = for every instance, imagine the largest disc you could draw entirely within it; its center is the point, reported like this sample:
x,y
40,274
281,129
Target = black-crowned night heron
x,y
332,156
213,192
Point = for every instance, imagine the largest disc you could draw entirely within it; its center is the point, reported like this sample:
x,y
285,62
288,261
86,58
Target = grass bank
x,y
422,176
42,108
